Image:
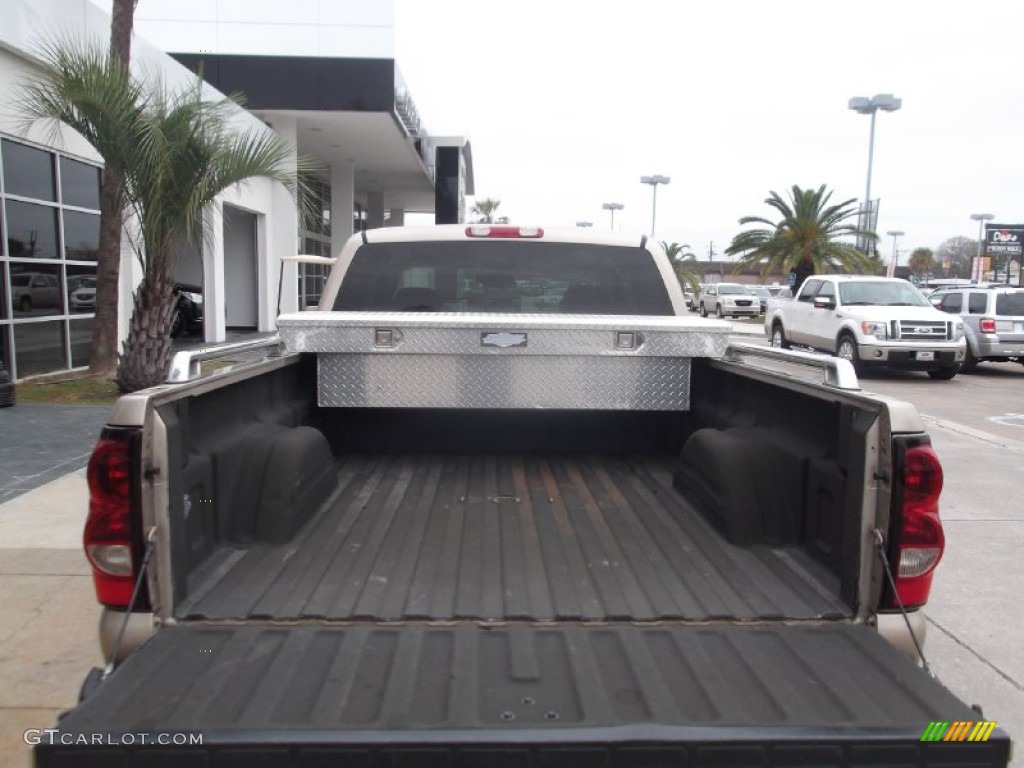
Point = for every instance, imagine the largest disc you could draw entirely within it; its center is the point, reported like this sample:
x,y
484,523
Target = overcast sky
x,y
568,102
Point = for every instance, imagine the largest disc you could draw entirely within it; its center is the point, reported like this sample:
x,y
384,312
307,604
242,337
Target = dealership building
x,y
320,74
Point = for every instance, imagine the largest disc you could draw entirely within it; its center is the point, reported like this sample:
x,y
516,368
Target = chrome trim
x,y
838,373
185,365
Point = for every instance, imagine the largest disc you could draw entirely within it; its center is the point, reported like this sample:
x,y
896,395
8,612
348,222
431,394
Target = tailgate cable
x,y
150,546
880,548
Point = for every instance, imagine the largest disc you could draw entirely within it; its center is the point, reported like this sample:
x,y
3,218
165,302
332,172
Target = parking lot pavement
x,y
48,613
43,442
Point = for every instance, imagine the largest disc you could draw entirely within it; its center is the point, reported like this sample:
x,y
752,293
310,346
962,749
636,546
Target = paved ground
x,y
43,442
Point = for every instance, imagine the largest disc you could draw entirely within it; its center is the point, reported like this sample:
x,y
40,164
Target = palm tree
x,y
173,153
922,260
103,358
485,210
684,264
805,240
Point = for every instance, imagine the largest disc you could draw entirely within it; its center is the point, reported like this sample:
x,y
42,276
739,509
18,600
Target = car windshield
x,y
761,291
880,293
727,289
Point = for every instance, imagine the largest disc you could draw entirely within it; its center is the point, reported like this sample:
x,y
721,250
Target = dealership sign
x,y
1004,239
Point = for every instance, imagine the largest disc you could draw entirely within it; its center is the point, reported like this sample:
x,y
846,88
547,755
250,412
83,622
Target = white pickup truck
x,y
870,321
501,502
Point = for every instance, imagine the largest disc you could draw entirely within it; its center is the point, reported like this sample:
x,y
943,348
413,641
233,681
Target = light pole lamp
x,y
869,106
613,207
894,233
654,181
981,218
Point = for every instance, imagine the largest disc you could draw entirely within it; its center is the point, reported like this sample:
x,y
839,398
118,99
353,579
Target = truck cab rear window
x,y
503,277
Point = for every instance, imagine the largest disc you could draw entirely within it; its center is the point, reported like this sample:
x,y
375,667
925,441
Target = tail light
x,y
987,325
918,540
112,534
487,230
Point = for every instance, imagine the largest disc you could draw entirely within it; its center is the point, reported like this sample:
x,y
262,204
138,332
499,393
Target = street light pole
x,y
895,233
870,106
613,207
654,181
977,272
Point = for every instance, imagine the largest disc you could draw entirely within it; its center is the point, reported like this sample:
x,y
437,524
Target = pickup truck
x,y
457,522
870,321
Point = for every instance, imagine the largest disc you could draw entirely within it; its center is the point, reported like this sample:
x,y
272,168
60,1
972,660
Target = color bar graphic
x,y
959,730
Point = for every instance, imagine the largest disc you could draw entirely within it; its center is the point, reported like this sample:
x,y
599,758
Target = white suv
x,y
729,299
993,318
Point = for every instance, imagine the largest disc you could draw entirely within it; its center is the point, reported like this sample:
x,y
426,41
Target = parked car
x,y
82,297
688,297
188,312
870,321
762,293
729,300
993,321
7,393
34,289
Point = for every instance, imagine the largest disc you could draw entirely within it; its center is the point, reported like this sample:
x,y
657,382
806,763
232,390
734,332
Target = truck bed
x,y
506,538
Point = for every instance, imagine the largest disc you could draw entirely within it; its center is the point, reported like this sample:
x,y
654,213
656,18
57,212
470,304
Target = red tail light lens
x,y
108,534
489,230
920,539
987,325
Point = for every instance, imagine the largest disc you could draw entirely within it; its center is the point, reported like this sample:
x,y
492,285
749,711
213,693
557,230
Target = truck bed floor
x,y
536,538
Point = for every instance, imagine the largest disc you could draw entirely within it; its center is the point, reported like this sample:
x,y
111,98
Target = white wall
x,y
26,23
326,28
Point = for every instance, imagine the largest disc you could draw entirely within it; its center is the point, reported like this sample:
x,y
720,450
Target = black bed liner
x,y
510,537
519,695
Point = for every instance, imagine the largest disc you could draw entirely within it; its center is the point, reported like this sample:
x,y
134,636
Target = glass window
x,y
952,303
809,290
1010,303
28,171
977,303
79,184
828,290
80,332
31,231
883,293
3,294
504,276
81,289
39,348
81,235
35,290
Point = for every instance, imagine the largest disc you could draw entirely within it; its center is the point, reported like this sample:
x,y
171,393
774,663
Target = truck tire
x,y
970,361
25,305
703,310
848,349
779,339
944,374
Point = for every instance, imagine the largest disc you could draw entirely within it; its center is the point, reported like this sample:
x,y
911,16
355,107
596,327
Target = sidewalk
x,y
48,614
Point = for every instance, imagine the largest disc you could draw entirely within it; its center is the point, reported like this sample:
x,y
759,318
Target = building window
x,y
31,230
49,238
315,237
28,171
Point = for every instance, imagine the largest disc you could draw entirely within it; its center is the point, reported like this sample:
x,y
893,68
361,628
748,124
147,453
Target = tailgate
x,y
468,695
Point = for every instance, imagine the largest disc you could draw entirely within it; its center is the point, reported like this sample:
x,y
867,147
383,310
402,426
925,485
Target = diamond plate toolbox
x,y
448,360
